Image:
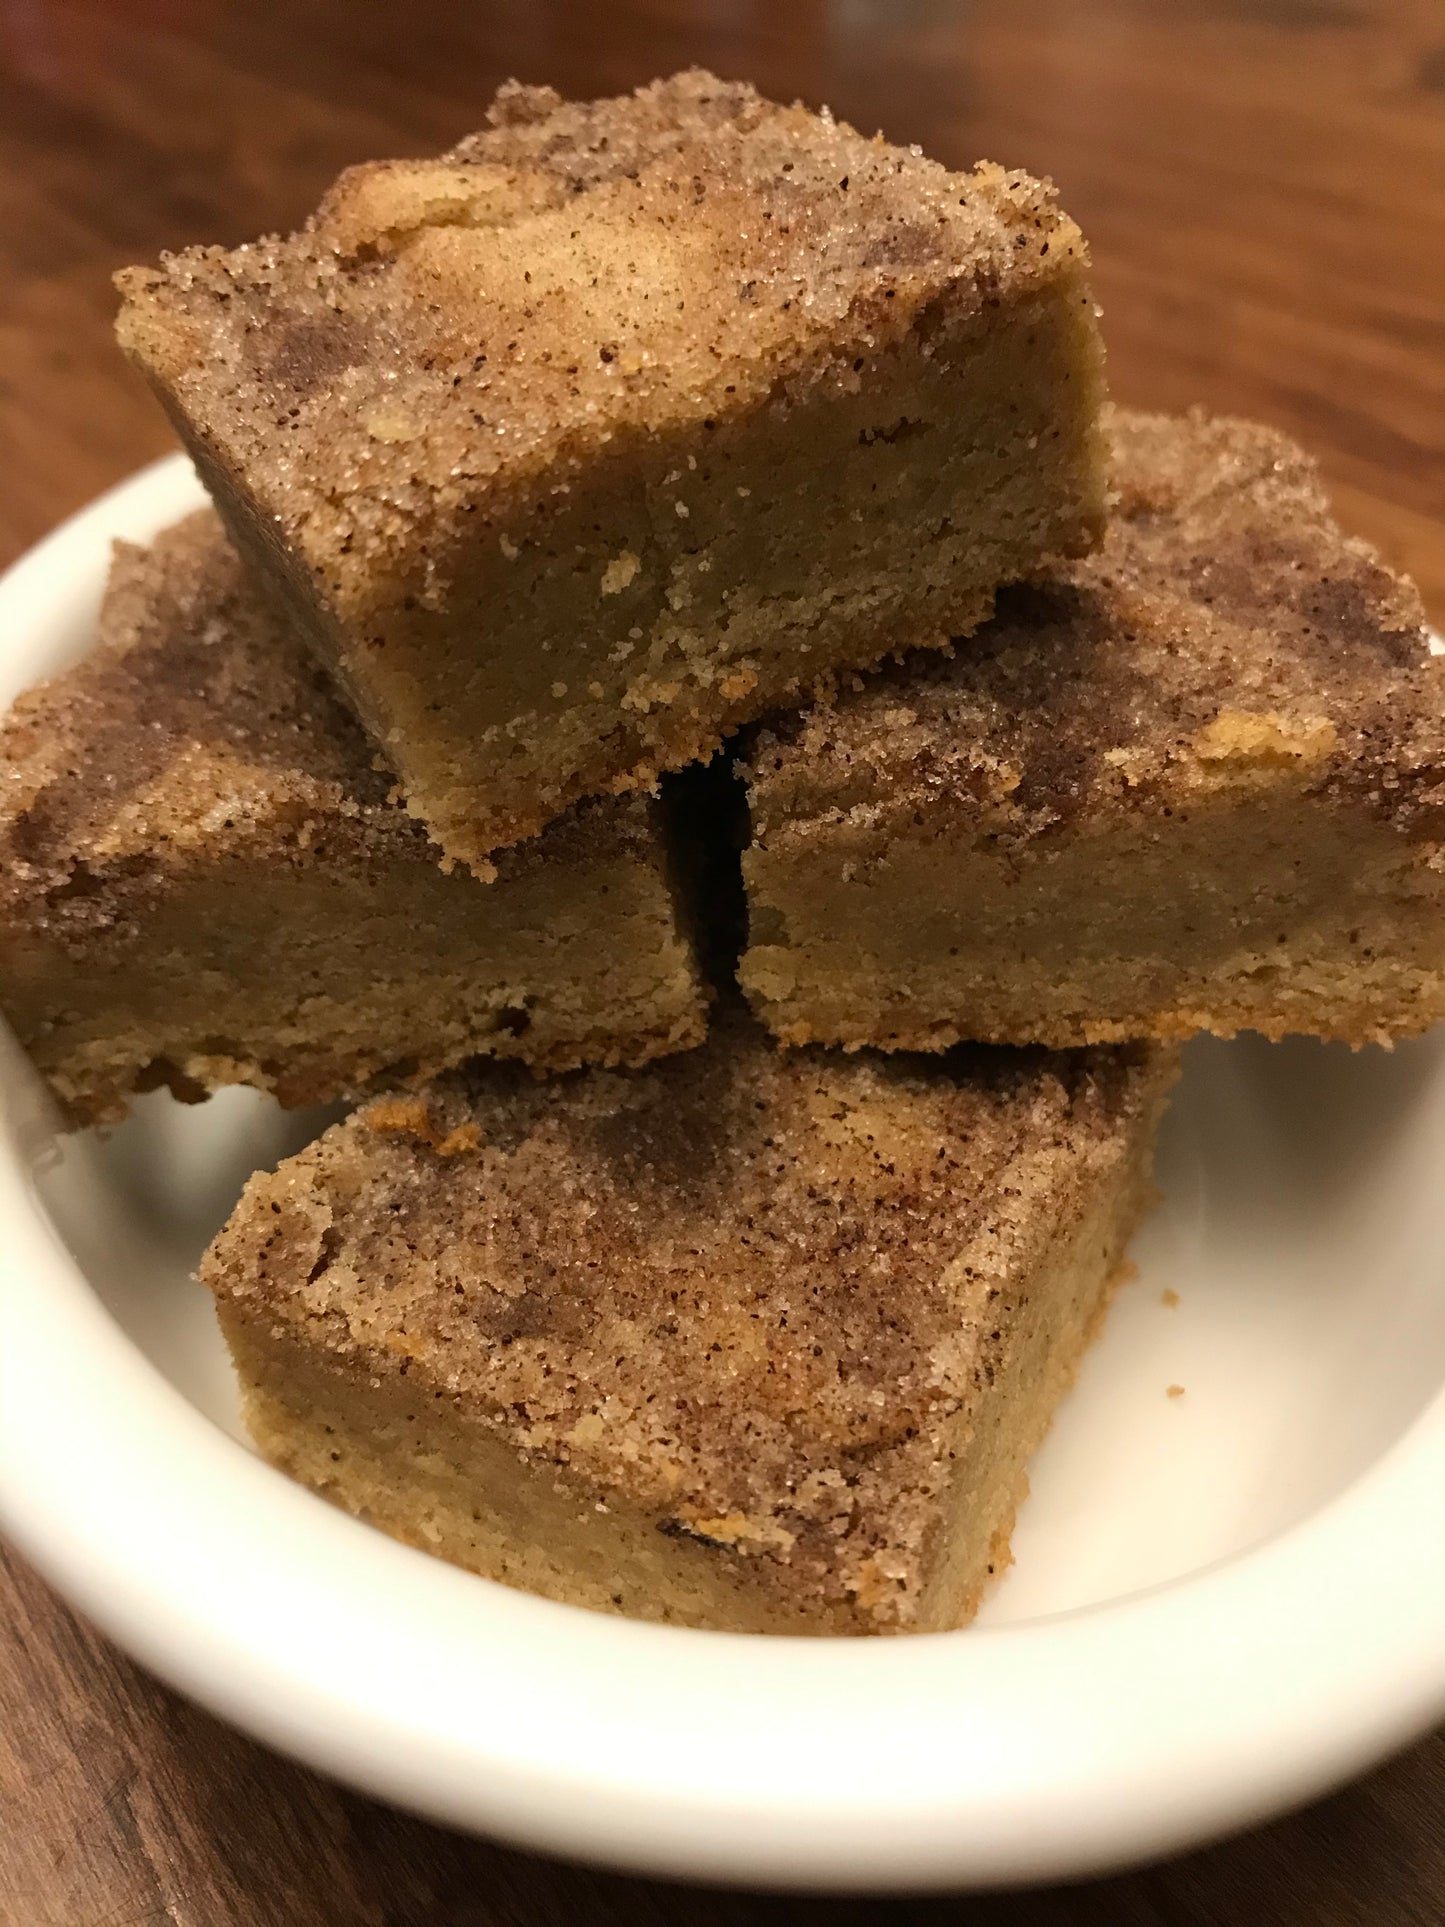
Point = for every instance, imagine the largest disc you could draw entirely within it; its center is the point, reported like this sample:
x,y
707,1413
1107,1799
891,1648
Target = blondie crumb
x,y
204,882
1196,782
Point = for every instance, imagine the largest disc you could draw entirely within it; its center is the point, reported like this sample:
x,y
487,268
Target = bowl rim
x,y
1056,1747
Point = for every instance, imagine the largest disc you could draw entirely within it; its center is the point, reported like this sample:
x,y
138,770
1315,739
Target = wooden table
x,y
1264,185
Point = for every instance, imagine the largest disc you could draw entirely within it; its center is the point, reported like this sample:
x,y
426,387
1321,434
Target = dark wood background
x,y
1263,182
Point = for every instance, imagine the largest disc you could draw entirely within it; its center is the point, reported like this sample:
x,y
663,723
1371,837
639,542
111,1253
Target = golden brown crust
x,y
566,449
751,1290
1372,1020
195,717
1225,628
402,356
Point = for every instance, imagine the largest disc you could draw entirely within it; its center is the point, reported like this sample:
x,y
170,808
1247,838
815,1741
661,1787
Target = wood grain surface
x,y
1263,182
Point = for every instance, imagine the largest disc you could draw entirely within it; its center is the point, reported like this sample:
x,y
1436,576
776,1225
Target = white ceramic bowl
x,y
1223,1602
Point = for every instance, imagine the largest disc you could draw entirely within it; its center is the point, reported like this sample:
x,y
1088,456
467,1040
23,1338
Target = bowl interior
x,y
1289,1285
1299,1228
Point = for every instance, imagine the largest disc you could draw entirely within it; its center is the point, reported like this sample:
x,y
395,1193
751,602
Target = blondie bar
x,y
626,421
1198,783
202,880
748,1339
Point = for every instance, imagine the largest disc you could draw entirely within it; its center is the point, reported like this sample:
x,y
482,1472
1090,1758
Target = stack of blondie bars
x,y
691,709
